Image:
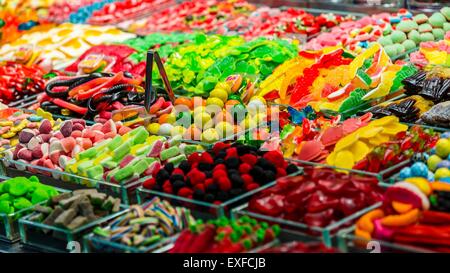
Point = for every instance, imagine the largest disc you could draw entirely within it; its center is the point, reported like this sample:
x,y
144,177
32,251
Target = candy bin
x,y
319,203
18,197
413,218
158,222
60,224
212,182
223,235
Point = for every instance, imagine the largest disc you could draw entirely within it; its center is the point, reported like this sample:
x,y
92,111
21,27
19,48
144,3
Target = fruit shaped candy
x,y
317,198
354,147
435,163
224,235
221,173
414,213
403,146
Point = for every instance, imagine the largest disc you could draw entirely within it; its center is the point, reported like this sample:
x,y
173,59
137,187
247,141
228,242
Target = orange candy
x,y
184,101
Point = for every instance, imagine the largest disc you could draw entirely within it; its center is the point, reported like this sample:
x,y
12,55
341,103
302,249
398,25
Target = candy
x,y
437,19
209,237
398,36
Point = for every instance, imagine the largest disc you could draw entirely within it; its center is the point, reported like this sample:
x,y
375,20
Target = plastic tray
x,y
68,181
201,209
47,238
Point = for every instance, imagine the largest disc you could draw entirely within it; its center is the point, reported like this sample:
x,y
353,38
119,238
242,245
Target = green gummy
x,y
5,206
247,243
89,153
19,186
189,149
170,152
101,232
352,102
123,173
276,229
22,203
405,72
177,160
140,135
122,150
111,174
39,195
142,165
115,142
110,164
95,171
83,166
364,77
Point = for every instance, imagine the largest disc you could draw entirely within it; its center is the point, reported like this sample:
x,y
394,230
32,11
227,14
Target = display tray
x,y
45,238
201,209
348,242
9,223
68,181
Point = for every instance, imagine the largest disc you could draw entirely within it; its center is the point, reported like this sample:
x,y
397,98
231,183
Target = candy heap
x,y
128,156
334,80
354,147
53,148
72,210
437,165
219,174
414,213
60,45
402,147
225,236
146,225
60,11
317,198
433,53
20,193
88,95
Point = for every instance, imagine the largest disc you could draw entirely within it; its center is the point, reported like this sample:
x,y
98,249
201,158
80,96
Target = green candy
x,y
427,36
22,203
6,197
425,28
89,153
95,172
39,195
19,187
168,153
407,26
121,151
409,44
420,18
414,36
446,27
140,134
391,50
114,143
123,173
438,33
437,19
5,207
398,36
446,12
385,40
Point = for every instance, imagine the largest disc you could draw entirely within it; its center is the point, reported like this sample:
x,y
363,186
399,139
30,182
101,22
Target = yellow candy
x,y
153,128
215,101
346,142
6,123
177,130
344,159
421,183
210,135
383,88
368,131
384,120
359,150
219,93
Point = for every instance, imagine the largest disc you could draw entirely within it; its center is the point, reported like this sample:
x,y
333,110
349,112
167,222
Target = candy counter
x,y
232,126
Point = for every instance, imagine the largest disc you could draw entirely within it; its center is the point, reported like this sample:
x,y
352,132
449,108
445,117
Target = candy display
x,y
147,225
164,126
221,173
225,236
414,213
317,198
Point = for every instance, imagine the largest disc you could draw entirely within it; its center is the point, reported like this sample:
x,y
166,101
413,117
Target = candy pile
x,y
402,147
126,158
433,53
72,210
225,236
414,213
53,148
317,198
269,22
60,11
144,226
20,193
88,95
219,174
437,167
60,45
334,80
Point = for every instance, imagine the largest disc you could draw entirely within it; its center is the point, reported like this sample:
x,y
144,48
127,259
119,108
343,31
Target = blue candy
x,y
419,169
405,173
430,176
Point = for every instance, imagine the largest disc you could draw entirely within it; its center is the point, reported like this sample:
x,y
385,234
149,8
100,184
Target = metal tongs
x,y
143,112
